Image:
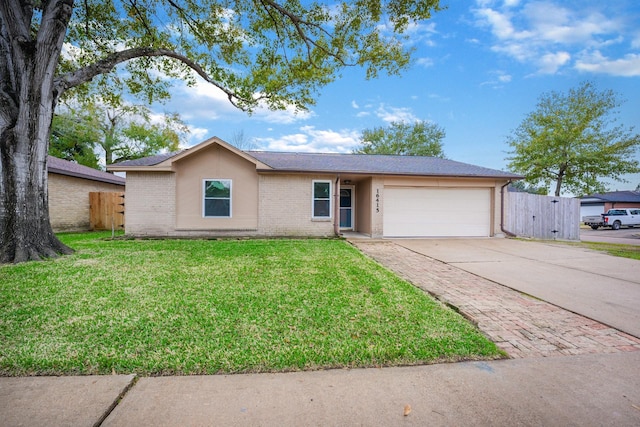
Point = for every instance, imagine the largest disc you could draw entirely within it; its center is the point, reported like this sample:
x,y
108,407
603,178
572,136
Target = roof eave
x,y
83,176
155,168
347,172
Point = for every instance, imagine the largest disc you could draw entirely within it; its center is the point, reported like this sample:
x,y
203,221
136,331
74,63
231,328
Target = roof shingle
x,y
64,167
374,164
354,163
617,196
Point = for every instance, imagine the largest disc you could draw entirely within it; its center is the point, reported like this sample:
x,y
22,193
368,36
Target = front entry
x,y
346,208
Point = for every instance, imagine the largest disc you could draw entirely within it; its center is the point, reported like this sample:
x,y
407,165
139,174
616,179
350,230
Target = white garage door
x,y
586,210
436,212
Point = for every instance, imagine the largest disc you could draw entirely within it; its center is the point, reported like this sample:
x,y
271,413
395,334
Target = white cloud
x,y
499,81
551,62
546,34
628,66
312,140
425,62
395,114
206,102
196,135
355,105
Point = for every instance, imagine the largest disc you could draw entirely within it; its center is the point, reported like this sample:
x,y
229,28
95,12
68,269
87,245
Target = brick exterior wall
x,y
620,205
377,198
69,201
285,206
150,203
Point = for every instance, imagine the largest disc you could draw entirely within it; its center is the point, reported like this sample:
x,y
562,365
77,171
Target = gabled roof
x,y
374,164
164,162
149,161
326,163
614,196
64,167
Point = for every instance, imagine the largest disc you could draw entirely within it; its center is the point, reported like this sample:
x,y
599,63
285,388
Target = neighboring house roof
x,y
374,164
331,163
613,196
64,167
151,160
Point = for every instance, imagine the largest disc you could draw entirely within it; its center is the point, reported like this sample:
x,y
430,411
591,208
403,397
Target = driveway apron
x,y
503,286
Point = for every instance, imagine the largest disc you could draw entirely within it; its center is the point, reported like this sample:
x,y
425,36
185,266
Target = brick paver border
x,y
521,325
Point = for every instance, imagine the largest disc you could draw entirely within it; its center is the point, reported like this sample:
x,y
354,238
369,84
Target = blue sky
x,y
479,68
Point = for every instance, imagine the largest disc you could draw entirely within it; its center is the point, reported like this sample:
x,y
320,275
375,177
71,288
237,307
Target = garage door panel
x,y
436,212
587,210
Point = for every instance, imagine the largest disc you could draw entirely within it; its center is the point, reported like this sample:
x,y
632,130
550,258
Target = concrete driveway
x,y
627,236
595,285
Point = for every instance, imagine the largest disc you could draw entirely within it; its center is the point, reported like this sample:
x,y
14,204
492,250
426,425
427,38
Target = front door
x,y
346,208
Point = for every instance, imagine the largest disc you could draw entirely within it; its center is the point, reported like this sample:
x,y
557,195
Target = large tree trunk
x,y
27,100
25,229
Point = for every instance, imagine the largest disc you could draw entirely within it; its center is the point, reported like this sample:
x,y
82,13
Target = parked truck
x,y
614,218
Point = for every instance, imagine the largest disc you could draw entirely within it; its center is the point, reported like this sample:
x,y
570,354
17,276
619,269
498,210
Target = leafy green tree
x,y
572,141
258,52
72,140
523,187
123,133
420,138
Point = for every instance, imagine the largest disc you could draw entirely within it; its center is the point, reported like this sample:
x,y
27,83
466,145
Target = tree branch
x,y
85,74
298,24
15,16
142,18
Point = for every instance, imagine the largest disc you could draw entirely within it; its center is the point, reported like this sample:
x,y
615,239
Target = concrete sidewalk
x,y
575,390
596,285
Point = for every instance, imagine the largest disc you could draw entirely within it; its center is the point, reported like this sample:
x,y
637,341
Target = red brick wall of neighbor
x,y
69,201
620,205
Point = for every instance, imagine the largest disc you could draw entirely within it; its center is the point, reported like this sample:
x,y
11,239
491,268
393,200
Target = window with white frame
x,y
321,199
217,198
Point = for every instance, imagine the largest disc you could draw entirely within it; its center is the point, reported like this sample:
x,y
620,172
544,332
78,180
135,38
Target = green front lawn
x,y
159,307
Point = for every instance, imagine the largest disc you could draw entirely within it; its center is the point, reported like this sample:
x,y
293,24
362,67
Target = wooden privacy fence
x,y
542,217
106,210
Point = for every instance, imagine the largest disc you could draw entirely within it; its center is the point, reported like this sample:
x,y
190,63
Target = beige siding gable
x,y
216,162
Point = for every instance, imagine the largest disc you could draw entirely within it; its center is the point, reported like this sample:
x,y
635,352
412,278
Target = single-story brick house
x,y
69,188
215,189
595,204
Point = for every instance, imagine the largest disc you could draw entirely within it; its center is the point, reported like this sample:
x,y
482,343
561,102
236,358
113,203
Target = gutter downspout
x,y
336,208
505,231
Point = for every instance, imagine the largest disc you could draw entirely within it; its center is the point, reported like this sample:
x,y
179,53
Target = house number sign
x,y
377,200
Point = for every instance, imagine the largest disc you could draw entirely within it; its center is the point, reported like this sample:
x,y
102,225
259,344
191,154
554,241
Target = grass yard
x,y
615,249
162,307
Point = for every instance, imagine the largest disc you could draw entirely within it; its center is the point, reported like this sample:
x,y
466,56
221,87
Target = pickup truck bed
x,y
614,218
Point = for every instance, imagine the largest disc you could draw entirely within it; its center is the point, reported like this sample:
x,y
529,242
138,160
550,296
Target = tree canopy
x,y
572,141
118,133
73,140
260,53
420,138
